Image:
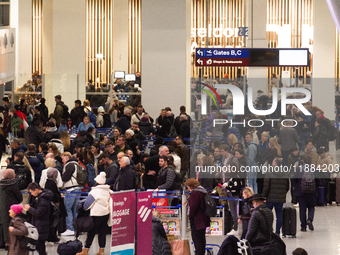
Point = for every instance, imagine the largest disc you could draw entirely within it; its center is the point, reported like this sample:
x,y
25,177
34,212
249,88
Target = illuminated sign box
x,y
251,57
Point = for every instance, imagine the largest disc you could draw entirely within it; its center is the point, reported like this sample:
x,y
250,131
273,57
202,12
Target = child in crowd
x,y
247,208
17,229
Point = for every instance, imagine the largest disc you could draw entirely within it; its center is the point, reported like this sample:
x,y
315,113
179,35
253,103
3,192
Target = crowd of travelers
x,y
47,167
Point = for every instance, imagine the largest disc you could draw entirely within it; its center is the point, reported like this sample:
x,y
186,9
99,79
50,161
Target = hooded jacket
x,y
20,230
160,244
98,200
251,152
9,195
40,211
197,214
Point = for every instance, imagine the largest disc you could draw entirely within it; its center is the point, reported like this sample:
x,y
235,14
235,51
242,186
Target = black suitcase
x,y
331,192
289,222
320,198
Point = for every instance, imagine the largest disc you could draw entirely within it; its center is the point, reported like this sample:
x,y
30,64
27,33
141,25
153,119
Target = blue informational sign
x,y
221,53
243,31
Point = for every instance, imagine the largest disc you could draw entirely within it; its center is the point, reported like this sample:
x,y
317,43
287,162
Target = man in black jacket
x,y
275,188
125,121
260,225
34,133
326,124
166,175
77,114
39,208
23,174
126,178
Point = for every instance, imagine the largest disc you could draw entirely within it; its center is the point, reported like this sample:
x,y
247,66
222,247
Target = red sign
x,y
222,61
168,212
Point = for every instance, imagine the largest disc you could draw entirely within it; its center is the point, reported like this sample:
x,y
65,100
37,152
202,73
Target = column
x,y
323,59
21,20
257,38
121,35
64,50
166,61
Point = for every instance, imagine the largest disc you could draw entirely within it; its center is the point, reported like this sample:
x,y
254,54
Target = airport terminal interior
x,y
197,76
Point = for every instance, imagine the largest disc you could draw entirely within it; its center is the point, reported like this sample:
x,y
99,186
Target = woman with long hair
x,y
65,139
87,107
274,150
232,140
116,133
140,168
52,148
114,111
95,148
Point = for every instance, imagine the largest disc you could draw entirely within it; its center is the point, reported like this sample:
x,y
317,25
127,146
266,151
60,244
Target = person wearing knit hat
x,y
130,132
9,174
101,178
17,229
98,201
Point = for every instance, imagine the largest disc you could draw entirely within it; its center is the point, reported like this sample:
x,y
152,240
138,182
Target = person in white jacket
x,y
98,202
49,163
100,118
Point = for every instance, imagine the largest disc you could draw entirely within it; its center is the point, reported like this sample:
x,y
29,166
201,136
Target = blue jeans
x,y
252,179
278,212
304,136
70,205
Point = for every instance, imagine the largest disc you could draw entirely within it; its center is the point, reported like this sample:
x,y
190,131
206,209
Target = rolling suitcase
x,y
337,191
289,222
331,192
320,199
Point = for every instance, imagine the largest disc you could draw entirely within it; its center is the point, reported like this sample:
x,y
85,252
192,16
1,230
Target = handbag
x,y
25,124
180,247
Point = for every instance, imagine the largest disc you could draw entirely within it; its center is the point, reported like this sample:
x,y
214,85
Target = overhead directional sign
x,y
251,57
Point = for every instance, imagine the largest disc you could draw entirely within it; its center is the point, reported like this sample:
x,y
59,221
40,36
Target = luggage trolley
x,y
216,223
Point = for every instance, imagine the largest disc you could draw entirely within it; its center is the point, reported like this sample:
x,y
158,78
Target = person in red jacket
x,y
199,221
20,114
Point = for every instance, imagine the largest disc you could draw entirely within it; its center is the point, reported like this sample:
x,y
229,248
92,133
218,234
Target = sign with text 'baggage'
x,y
123,223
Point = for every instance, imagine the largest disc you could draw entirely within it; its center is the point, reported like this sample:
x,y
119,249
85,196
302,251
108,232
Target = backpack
x,y
91,174
81,176
92,117
29,241
308,184
107,121
210,206
177,181
66,114
70,248
172,131
22,176
229,246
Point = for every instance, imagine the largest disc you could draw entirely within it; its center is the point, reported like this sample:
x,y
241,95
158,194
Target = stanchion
x,y
184,215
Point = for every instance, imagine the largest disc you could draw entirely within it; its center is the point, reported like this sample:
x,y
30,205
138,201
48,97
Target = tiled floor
x,y
324,240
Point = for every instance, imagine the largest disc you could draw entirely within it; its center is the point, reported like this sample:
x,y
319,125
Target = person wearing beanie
x,y
132,142
9,195
98,202
100,118
17,229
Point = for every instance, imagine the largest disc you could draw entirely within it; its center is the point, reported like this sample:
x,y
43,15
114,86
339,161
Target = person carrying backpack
x,y
304,184
70,180
199,221
17,229
39,210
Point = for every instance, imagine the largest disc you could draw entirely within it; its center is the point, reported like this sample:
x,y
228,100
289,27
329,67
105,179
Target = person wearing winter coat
x,y
260,224
199,221
125,121
16,123
9,195
160,244
17,229
246,209
39,210
132,142
16,147
145,125
288,138
126,178
325,165
320,135
51,132
310,151
100,118
251,152
77,114
51,184
166,175
36,161
34,133
184,127
275,188
99,203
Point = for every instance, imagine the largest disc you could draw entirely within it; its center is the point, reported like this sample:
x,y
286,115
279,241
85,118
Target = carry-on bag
x,y
289,222
320,199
